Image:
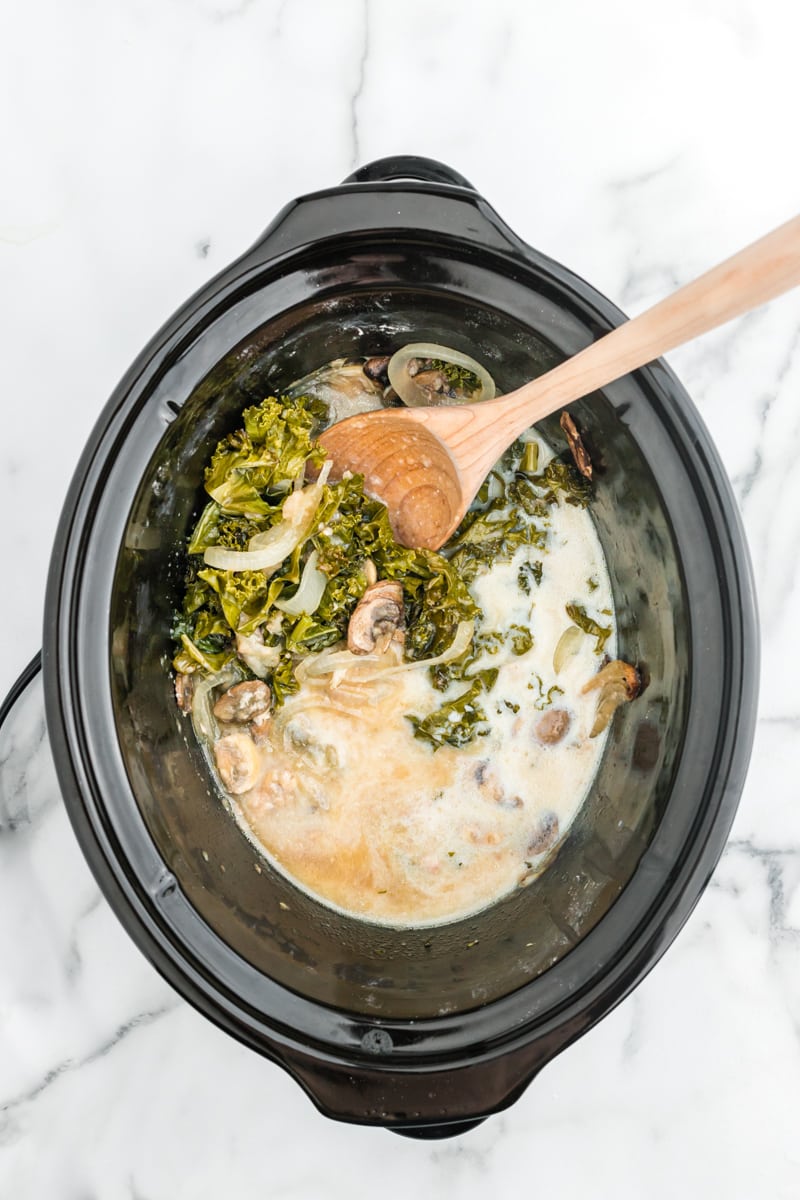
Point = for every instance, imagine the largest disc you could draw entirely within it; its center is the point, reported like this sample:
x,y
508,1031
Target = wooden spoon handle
x,y
756,274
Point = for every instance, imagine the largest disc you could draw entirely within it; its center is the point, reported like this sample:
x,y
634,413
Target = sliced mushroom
x,y
492,789
579,451
237,762
545,834
184,692
433,384
377,619
260,728
243,702
375,368
552,726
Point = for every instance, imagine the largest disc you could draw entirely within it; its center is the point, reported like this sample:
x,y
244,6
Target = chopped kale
x,y
544,697
529,573
578,615
562,479
455,723
521,639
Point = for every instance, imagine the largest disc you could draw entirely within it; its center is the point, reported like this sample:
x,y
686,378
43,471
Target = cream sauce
x,y
372,821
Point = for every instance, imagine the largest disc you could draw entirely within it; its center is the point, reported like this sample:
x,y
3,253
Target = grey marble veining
x,y
146,144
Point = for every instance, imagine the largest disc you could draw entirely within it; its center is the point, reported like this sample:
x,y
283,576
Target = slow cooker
x,y
423,1031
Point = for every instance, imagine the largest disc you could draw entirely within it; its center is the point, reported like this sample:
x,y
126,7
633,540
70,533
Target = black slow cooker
x,y
425,1031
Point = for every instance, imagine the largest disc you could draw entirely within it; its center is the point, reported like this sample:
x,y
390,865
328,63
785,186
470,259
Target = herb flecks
x,y
545,696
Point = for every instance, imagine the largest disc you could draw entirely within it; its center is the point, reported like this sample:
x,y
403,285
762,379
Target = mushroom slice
x,y
237,762
377,619
260,728
579,451
375,368
552,726
619,682
243,702
544,835
184,692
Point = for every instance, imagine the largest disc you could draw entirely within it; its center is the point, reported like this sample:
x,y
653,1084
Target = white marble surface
x,y
146,143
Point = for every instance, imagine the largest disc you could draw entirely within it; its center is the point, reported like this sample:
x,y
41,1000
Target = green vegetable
x,y
530,458
521,639
601,633
194,656
528,573
352,528
459,378
545,697
283,680
455,723
265,456
491,536
488,642
308,635
246,596
250,476
563,479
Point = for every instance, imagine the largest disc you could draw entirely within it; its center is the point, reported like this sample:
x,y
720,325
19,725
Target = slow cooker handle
x,y
374,200
408,166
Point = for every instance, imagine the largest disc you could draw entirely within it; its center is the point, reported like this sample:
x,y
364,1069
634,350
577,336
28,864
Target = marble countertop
x,y
146,144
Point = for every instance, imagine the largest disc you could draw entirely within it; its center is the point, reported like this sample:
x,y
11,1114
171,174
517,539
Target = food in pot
x,y
408,735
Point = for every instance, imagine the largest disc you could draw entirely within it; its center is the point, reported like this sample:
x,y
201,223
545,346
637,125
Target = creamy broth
x,y
368,819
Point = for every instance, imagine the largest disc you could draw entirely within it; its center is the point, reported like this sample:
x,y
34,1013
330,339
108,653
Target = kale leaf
x,y
578,615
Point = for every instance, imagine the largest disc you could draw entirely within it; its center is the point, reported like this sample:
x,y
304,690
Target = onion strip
x,y
203,719
268,550
309,592
326,663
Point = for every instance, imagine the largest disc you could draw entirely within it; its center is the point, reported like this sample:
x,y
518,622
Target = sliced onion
x,y
328,661
416,396
343,661
459,645
566,647
310,591
269,549
223,559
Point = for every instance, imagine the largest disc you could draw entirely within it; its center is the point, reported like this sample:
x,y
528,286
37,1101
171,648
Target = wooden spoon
x,y
427,464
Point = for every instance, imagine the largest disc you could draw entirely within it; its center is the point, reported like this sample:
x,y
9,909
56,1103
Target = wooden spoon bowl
x,y
405,465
